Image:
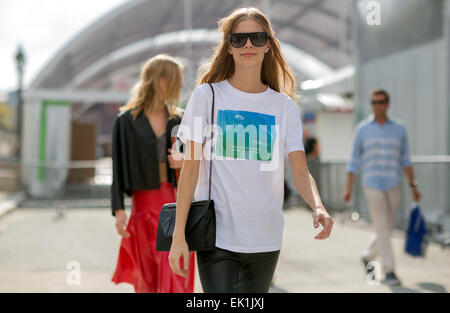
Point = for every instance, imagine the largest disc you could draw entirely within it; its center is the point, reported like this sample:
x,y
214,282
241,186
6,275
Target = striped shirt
x,y
381,151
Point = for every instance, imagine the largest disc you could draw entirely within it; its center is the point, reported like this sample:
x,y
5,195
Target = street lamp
x,y
20,63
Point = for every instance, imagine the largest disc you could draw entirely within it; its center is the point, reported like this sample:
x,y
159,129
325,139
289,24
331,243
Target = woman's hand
x,y
175,159
321,216
415,194
179,249
121,223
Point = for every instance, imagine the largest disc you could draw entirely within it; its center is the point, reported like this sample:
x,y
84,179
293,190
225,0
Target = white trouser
x,y
383,207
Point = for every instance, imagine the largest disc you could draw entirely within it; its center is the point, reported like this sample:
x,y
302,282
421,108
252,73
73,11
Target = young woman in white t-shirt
x,y
257,123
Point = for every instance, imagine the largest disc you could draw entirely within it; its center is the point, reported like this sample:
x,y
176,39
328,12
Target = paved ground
x,y
9,201
36,248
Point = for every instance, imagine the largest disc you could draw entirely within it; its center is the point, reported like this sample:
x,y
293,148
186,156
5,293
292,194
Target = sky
x,y
43,27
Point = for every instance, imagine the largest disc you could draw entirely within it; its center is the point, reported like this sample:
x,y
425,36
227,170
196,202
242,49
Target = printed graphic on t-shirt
x,y
245,135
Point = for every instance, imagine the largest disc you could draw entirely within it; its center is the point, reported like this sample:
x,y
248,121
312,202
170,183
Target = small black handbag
x,y
200,228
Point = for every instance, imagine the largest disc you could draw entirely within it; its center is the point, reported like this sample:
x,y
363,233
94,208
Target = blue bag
x,y
415,243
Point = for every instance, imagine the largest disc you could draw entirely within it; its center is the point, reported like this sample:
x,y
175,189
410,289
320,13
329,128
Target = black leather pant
x,y
227,271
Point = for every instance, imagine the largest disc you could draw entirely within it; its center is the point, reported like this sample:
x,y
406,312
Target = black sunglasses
x,y
258,39
378,102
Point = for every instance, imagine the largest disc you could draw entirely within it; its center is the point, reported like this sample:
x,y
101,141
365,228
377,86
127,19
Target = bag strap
x,y
212,123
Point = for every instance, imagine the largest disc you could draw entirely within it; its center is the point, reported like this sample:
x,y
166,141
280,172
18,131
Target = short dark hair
x,y
310,144
379,91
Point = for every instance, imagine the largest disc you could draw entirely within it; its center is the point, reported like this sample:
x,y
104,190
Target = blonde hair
x,y
275,71
145,93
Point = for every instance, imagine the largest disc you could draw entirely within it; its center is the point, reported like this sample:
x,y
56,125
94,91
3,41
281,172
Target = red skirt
x,y
139,263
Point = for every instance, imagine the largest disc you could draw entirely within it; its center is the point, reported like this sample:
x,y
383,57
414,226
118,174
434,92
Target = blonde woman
x,y
257,123
145,169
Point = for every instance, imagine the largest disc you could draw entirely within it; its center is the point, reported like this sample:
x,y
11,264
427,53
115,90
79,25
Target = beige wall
x,y
335,134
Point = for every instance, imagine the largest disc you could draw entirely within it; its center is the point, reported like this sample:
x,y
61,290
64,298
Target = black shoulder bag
x,y
200,228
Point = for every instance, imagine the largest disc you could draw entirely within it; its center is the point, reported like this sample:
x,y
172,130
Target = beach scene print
x,y
245,135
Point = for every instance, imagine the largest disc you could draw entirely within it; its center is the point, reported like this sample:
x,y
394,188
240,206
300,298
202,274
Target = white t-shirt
x,y
254,131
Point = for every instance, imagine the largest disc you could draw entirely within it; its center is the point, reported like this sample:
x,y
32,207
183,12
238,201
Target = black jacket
x,y
134,156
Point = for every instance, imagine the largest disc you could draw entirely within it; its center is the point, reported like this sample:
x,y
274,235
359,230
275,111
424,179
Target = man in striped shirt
x,y
380,150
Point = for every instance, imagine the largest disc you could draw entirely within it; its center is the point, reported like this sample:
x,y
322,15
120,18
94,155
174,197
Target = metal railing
x,y
72,184
87,184
433,174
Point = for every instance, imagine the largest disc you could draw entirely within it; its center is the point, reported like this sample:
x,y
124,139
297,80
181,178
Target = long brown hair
x,y
145,93
275,71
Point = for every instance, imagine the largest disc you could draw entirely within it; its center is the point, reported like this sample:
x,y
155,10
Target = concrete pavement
x,y
9,201
333,265
37,246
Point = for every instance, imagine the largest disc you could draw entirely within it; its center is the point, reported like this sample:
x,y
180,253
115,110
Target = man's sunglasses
x,y
258,39
378,102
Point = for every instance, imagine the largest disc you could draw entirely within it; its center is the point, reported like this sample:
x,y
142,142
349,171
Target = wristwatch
x,y
414,183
